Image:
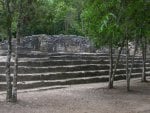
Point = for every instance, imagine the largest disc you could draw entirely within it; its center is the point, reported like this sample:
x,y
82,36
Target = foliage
x,y
107,19
99,19
45,17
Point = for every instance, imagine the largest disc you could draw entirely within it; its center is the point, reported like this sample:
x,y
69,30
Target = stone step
x,y
51,58
75,58
83,67
70,74
78,57
65,55
56,75
36,62
38,69
70,62
35,84
44,54
24,69
47,59
38,55
47,62
81,80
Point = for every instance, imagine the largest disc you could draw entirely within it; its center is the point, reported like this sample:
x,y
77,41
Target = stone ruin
x,y
63,43
53,43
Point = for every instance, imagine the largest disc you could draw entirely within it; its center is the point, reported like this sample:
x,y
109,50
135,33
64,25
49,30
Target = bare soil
x,y
87,98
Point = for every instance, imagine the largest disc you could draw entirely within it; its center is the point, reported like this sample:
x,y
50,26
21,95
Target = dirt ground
x,y
87,98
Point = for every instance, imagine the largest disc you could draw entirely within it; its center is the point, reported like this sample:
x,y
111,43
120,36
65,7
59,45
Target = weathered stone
x,y
62,43
54,43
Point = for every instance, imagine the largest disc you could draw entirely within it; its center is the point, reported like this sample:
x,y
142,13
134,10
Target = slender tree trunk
x,y
14,89
144,59
133,57
54,28
66,26
117,60
8,77
127,65
111,65
82,26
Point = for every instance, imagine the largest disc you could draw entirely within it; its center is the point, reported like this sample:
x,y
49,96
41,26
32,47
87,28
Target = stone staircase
x,y
38,69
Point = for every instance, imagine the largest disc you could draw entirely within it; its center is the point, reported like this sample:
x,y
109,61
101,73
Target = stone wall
x,y
53,43
58,43
64,43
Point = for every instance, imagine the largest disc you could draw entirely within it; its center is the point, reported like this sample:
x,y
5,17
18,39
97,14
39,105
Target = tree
x,y
139,12
109,22
9,33
18,35
54,16
3,31
103,23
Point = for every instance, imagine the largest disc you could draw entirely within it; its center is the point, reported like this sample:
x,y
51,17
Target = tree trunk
x,y
117,60
8,77
127,65
82,26
133,57
66,26
14,89
144,59
111,65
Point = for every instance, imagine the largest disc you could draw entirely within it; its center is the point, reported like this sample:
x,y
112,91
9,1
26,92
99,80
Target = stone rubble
x,y
53,43
63,43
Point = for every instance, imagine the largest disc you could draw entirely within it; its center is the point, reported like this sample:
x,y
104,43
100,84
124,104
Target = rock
x,y
54,43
